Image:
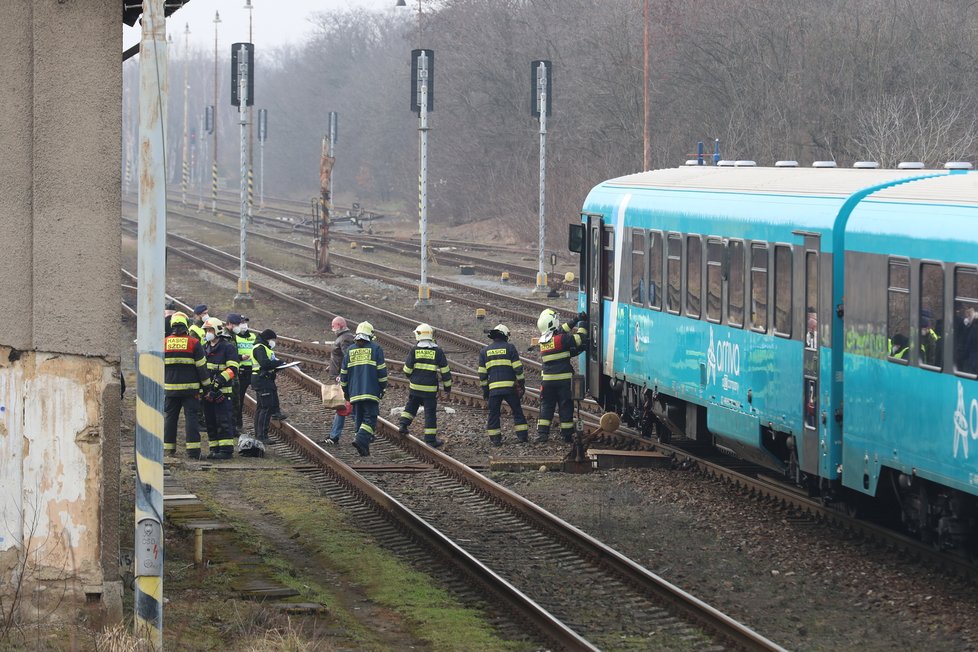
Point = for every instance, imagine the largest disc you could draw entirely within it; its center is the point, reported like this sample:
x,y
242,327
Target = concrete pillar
x,y
61,80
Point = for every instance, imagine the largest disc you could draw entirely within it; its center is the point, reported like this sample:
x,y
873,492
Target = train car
x,y
790,316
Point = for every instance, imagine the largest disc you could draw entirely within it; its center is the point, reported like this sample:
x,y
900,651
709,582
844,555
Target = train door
x,y
810,368
593,287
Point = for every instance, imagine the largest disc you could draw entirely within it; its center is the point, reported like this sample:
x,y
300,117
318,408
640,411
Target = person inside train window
x,y
930,341
965,339
811,329
899,346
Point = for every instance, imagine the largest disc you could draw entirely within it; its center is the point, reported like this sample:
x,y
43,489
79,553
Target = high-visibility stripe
x,y
431,431
423,388
556,356
424,366
174,361
364,397
482,370
364,426
520,427
492,432
497,363
407,370
407,415
566,424
363,362
543,422
172,387
191,445
446,384
564,376
225,442
499,384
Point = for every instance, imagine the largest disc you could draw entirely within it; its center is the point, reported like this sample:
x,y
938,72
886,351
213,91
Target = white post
x,y
542,106
261,178
243,297
185,179
424,293
151,267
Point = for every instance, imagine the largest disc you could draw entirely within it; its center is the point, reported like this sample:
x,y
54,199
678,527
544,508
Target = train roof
x,y
959,188
822,182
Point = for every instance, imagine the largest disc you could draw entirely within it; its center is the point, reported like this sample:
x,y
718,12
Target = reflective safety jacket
x,y
245,344
222,363
197,331
363,374
185,367
556,352
500,367
264,361
422,366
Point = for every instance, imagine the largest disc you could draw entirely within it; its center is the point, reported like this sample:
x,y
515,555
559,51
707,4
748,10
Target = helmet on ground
x,y
424,332
212,322
548,321
338,324
251,447
346,410
365,331
178,319
500,330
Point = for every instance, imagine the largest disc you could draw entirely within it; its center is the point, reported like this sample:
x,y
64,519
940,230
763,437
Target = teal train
x,y
817,321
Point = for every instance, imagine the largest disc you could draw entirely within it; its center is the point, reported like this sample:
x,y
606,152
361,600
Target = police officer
x,y
185,377
263,379
363,377
222,365
342,341
197,328
501,377
244,340
422,367
558,344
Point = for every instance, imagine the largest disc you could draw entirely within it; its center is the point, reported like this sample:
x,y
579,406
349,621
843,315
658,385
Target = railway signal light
x,y
243,63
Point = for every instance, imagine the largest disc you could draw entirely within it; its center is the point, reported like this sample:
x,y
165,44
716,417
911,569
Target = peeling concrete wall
x,y
61,84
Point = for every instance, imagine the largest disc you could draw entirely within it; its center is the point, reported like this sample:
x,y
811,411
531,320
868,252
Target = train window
x,y
898,310
931,318
694,275
714,279
674,272
735,283
965,329
608,263
782,290
638,267
655,269
758,287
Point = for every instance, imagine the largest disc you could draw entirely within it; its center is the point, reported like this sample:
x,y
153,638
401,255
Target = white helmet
x,y
548,322
424,332
502,329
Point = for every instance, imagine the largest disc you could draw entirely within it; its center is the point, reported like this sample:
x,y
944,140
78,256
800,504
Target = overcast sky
x,y
276,22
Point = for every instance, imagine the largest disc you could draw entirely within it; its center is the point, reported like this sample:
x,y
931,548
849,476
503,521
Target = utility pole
x,y
217,21
646,145
262,135
186,119
325,200
423,68
333,119
251,130
151,266
242,61
540,73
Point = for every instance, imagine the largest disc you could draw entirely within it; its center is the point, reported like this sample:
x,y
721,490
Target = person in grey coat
x,y
342,340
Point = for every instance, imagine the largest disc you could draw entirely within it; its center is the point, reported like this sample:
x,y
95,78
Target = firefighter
x,y
558,344
363,377
423,365
222,365
185,377
244,340
264,366
501,377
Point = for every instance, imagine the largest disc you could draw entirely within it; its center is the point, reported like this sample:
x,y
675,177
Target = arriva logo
x,y
965,423
722,358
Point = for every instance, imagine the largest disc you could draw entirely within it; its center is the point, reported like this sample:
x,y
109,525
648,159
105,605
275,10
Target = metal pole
x,y
424,293
542,104
646,146
202,156
151,266
185,180
217,21
261,178
243,297
251,130
332,152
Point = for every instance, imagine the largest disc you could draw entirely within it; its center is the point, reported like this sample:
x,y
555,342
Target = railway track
x,y
525,312
597,594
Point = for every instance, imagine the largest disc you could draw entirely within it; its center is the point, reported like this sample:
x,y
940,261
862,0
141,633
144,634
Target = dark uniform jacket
x,y
556,352
422,366
185,365
341,344
244,344
222,363
500,368
363,374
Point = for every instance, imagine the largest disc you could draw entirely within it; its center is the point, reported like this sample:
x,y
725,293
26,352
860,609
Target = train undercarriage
x,y
944,517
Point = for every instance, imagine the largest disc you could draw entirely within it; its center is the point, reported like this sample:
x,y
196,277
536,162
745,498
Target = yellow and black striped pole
x,y
151,255
251,192
214,187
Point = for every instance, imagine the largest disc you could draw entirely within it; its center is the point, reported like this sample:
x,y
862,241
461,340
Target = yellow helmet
x,y
424,332
215,323
178,319
548,321
365,331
